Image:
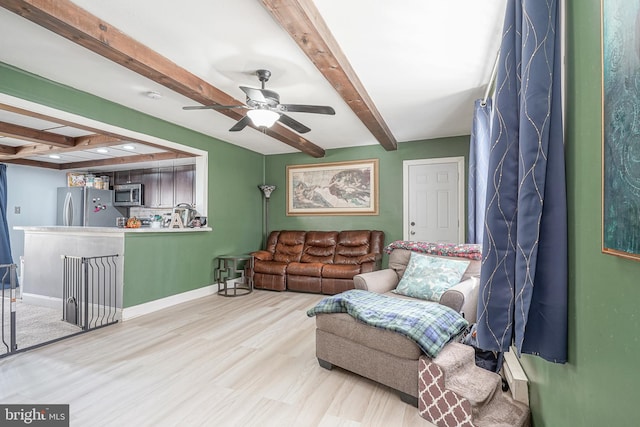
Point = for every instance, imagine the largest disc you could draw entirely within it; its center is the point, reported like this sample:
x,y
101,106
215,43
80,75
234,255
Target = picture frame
x,y
620,128
339,188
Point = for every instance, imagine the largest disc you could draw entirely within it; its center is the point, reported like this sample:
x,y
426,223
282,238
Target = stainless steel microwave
x,y
128,195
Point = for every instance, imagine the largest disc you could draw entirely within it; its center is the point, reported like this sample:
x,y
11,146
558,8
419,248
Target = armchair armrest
x,y
263,255
379,281
463,298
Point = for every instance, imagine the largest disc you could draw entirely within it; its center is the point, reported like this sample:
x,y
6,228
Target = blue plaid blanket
x,y
429,324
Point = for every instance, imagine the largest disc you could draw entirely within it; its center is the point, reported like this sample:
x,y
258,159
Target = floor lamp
x,y
266,190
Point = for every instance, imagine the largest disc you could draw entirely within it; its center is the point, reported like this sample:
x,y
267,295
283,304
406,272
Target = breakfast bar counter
x,y
45,246
99,230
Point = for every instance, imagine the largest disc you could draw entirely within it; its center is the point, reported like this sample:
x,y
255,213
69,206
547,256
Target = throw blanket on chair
x,y
459,250
429,324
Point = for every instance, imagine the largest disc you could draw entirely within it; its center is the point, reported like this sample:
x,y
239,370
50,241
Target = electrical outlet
x,y
16,209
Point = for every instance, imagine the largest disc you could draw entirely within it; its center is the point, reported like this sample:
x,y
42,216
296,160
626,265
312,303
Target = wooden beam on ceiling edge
x,y
302,20
76,24
34,135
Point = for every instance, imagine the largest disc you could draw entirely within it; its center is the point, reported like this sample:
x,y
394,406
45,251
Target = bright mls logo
x,y
34,415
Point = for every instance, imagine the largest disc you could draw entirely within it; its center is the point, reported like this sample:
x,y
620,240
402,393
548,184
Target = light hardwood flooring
x,y
215,361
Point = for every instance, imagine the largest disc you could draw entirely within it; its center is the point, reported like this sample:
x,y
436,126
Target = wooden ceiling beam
x,y
79,143
99,138
302,20
76,24
125,160
34,163
28,134
7,150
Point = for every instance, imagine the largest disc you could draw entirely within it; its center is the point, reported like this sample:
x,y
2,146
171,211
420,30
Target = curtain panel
x,y
479,148
523,285
5,245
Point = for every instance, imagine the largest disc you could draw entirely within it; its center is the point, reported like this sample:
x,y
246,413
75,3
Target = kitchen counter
x,y
44,245
109,230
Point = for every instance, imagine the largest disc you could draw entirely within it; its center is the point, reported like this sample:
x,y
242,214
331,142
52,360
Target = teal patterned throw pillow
x,y
428,277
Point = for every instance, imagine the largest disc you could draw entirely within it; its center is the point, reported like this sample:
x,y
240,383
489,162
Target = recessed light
x,y
54,156
102,150
153,95
129,147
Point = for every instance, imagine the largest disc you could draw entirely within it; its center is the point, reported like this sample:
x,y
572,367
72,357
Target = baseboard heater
x,y
516,378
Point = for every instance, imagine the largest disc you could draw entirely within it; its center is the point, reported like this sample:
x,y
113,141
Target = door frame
x,y
459,161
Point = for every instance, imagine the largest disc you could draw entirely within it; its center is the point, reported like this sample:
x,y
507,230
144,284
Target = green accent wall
x,y
599,384
390,172
160,265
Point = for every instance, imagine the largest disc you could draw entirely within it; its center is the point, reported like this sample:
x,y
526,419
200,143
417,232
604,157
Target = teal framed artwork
x,y
621,128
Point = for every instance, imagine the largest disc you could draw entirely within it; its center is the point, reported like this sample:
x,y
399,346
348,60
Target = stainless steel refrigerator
x,y
90,207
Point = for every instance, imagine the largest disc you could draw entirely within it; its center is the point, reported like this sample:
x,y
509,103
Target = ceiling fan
x,y
265,108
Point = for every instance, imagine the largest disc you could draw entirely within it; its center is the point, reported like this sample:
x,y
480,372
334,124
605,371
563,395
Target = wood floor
x,y
215,361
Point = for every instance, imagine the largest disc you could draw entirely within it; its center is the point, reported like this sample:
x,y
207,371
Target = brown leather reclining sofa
x,y
316,261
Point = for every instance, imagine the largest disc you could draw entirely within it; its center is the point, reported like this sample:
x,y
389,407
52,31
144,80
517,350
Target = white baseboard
x,y
515,376
151,306
136,310
42,301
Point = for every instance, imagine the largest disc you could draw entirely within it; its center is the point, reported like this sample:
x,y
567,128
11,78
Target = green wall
x,y
598,386
389,219
161,265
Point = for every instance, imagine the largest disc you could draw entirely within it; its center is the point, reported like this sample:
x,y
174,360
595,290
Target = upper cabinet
x,y
164,187
184,180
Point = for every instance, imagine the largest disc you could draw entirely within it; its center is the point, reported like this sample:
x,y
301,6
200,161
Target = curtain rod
x,y
491,80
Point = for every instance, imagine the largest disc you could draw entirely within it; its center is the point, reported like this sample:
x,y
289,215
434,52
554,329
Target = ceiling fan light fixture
x,y
263,118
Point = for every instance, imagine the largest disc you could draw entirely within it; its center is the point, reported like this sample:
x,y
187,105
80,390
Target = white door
x,y
434,200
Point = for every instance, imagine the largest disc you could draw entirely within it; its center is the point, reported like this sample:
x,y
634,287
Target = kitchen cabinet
x,y
150,181
164,187
185,190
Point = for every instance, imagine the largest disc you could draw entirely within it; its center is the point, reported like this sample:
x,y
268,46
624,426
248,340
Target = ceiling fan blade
x,y
212,107
254,94
241,124
293,124
298,108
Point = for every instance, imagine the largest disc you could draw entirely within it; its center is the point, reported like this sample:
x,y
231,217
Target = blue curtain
x,y
523,284
479,147
5,246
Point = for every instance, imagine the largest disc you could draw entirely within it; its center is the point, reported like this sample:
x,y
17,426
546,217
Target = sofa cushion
x,y
313,269
428,277
399,259
319,246
270,267
352,245
340,271
289,246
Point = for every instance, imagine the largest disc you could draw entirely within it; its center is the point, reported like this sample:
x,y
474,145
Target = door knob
x,y
413,232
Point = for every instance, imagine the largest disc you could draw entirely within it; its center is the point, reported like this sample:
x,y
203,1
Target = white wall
x,y
34,190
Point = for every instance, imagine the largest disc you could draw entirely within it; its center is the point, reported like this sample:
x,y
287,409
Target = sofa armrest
x,y
370,257
379,281
463,298
262,255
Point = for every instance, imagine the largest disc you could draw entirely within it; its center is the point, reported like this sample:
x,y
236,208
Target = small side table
x,y
230,270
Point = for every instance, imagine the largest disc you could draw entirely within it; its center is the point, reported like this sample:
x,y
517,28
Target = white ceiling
x,y
423,62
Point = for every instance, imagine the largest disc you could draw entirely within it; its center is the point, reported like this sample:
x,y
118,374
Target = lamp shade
x,y
267,189
264,118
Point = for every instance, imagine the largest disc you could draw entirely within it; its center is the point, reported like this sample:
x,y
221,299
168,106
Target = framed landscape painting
x,y
621,128
344,188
